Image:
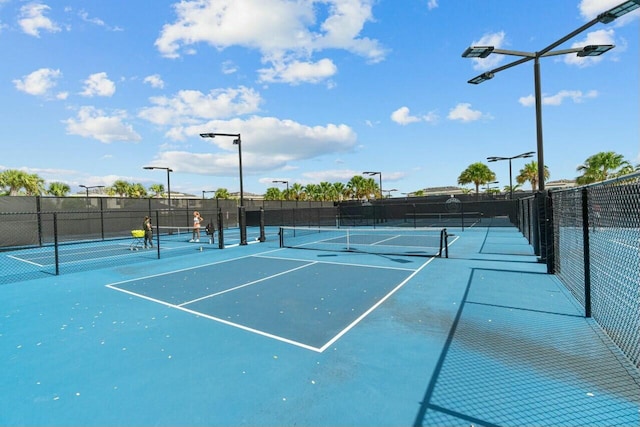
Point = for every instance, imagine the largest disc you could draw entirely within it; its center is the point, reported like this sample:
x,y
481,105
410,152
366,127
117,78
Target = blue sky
x,y
92,91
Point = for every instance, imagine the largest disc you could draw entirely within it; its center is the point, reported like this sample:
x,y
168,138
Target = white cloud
x,y
154,81
191,106
228,67
295,72
96,21
268,144
403,117
98,84
432,4
286,33
496,40
33,20
575,95
93,123
463,112
39,82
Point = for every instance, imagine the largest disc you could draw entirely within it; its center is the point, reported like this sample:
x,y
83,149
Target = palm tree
x,y
296,190
601,166
137,190
340,190
273,193
418,193
14,179
530,173
121,187
327,191
34,185
360,187
158,190
222,193
508,189
311,192
478,174
58,189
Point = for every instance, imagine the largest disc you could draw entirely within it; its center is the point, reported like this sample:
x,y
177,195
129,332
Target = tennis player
x,y
197,220
148,232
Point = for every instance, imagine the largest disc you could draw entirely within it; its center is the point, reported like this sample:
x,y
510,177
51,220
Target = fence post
x,y
39,209
586,253
158,233
102,217
220,229
55,243
262,236
549,233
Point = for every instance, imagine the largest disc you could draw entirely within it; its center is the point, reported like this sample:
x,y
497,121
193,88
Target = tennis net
x,y
178,233
429,242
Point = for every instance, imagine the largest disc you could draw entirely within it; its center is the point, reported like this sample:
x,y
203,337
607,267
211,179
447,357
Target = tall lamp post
x,y
590,50
87,187
282,181
169,170
519,156
390,191
374,174
237,141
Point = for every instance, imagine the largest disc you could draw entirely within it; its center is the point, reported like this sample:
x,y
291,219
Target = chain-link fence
x,y
596,232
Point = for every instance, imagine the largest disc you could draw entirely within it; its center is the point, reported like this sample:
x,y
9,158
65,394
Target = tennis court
x,y
268,335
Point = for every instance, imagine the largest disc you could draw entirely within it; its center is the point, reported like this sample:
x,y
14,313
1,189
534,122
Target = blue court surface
x,y
257,335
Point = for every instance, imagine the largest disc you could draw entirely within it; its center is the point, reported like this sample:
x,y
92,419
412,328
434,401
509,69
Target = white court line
x,y
247,284
337,263
26,261
376,305
187,269
217,319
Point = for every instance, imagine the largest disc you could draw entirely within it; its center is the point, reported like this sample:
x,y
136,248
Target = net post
x,y
242,220
281,236
220,229
444,243
262,235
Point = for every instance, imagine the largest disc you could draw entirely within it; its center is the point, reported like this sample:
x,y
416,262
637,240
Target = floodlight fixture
x,y
481,78
595,50
616,12
87,187
478,51
519,156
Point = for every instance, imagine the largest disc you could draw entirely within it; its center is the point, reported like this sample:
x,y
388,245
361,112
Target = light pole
x,y
169,170
237,141
207,191
374,174
489,186
87,187
519,156
282,181
390,191
590,50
